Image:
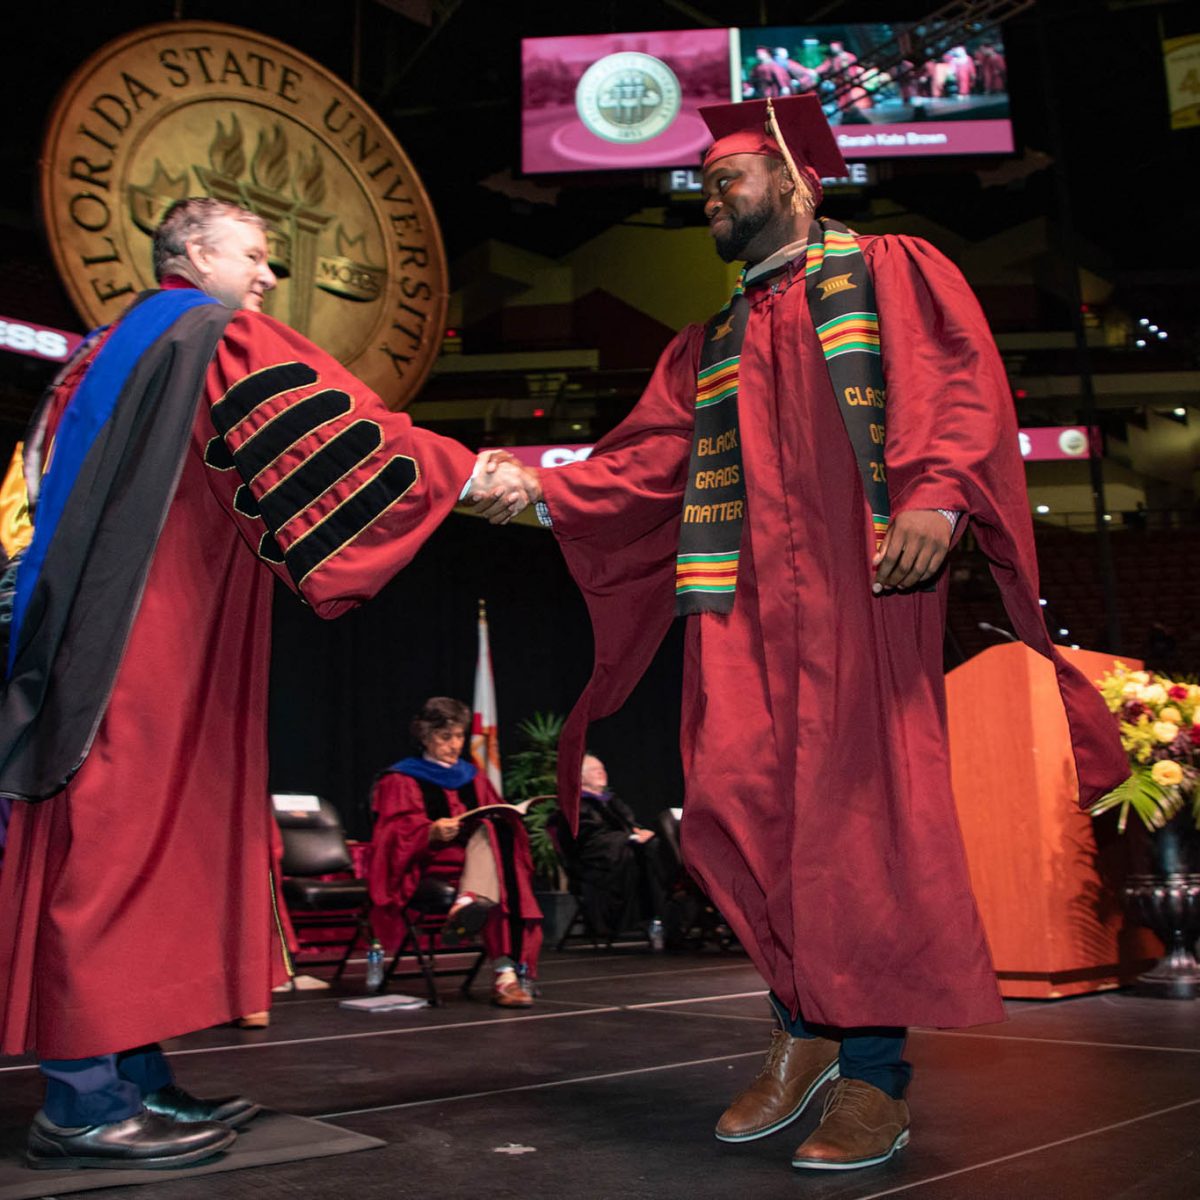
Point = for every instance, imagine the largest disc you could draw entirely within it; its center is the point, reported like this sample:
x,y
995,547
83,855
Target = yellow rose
x,y
1166,773
1170,713
1153,693
1139,676
1166,731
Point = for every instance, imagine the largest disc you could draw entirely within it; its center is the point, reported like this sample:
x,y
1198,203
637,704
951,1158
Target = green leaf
x,y
533,772
1154,805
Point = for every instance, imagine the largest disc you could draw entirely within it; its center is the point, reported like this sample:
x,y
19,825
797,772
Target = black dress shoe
x,y
143,1142
177,1105
465,924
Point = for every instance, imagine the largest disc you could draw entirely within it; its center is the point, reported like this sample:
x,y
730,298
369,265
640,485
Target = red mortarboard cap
x,y
741,129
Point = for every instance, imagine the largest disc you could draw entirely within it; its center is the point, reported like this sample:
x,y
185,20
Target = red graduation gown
x,y
818,812
137,904
401,857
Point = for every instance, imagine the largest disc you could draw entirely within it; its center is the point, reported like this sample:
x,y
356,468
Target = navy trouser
x,y
874,1054
108,1087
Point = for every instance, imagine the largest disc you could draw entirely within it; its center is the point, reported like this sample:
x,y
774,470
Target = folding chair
x,y
423,919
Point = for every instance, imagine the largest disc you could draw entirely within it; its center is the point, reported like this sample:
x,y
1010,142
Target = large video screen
x,y
626,101
889,91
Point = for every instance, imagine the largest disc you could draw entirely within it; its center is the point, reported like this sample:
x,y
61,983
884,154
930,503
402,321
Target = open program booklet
x,y
487,810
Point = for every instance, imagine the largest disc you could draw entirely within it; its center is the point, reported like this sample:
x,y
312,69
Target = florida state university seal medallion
x,y
192,109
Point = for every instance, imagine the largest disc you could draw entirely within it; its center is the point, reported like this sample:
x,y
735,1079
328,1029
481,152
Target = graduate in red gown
x,y
419,805
768,77
791,482
193,454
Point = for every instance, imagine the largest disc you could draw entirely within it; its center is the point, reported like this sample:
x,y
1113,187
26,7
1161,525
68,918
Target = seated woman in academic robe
x,y
423,831
616,861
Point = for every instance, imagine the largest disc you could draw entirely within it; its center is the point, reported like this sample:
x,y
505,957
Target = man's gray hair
x,y
191,220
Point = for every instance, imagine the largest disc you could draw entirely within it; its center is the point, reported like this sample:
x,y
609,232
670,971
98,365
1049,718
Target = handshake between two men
x,y
501,486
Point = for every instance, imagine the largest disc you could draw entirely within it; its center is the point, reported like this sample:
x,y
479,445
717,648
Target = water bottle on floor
x,y
374,966
657,939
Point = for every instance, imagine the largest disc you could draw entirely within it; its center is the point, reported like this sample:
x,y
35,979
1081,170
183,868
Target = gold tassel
x,y
802,197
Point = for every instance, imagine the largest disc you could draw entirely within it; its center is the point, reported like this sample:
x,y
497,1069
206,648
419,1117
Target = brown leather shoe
x,y
795,1068
860,1127
511,995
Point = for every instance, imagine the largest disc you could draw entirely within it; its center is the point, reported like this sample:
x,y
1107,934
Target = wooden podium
x,y
1047,895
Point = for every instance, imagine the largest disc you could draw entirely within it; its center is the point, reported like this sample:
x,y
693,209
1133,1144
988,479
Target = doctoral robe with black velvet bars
x,y
137,903
818,810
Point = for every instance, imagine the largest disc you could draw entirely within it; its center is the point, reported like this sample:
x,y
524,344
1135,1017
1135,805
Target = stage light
x,y
1108,516
1180,412
1043,508
1074,645
1162,333
539,412
1042,601
1144,321
1064,633
576,427
1153,328
1140,343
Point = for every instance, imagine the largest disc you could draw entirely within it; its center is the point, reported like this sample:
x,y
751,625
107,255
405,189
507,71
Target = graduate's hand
x,y
643,835
913,549
502,487
443,831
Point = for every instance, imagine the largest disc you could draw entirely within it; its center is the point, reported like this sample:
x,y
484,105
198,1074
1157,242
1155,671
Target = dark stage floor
x,y
610,1087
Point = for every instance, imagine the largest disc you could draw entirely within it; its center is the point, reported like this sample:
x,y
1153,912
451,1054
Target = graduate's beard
x,y
742,231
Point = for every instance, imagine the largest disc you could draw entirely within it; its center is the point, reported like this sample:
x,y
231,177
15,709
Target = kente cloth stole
x,y
841,299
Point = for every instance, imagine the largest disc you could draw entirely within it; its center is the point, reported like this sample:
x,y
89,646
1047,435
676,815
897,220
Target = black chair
x,y
314,846
579,924
424,920
692,920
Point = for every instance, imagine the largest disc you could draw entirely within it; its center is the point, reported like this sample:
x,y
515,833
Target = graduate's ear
x,y
785,185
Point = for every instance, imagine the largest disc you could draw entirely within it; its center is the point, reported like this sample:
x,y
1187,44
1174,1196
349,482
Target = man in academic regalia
x,y
616,860
991,69
188,456
791,482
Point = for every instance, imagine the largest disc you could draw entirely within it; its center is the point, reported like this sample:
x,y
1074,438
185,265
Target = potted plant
x,y
1159,720
532,775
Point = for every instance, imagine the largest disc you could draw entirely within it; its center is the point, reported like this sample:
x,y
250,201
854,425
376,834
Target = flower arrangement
x,y
1159,720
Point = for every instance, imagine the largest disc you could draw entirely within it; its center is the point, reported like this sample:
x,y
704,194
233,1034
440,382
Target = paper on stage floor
x,y
386,1003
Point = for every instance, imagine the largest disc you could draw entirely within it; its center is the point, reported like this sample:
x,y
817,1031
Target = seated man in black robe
x,y
616,861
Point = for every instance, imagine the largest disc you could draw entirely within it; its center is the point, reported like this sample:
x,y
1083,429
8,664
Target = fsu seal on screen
x,y
628,97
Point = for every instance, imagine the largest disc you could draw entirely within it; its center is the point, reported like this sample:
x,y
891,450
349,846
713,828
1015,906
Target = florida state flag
x,y
485,739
